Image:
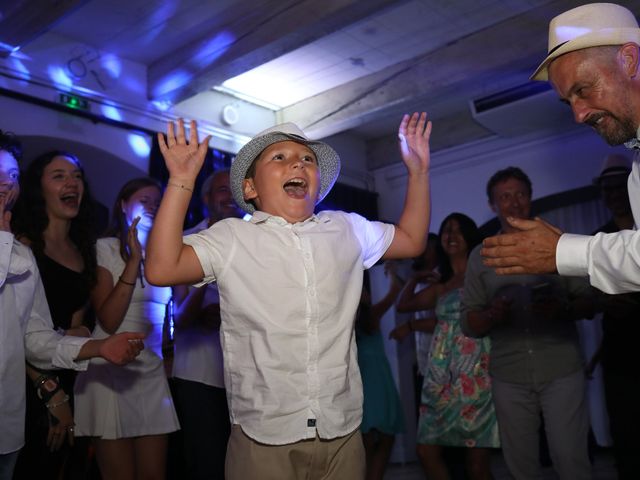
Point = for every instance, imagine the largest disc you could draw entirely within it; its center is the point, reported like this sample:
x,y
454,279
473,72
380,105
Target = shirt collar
x,y
634,143
20,261
262,217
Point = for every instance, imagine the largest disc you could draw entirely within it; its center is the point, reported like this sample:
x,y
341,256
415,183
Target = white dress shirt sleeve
x,y
44,348
612,261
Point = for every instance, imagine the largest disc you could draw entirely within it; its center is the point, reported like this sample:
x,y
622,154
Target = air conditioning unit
x,y
524,109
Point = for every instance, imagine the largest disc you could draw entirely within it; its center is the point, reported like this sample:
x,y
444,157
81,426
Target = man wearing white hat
x,y
593,64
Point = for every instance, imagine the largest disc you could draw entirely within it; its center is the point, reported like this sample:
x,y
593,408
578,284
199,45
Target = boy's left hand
x,y
414,133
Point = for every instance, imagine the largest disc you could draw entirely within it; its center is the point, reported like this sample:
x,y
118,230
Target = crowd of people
x,y
277,367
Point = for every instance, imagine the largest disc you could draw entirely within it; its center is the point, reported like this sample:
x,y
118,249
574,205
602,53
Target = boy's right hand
x,y
183,159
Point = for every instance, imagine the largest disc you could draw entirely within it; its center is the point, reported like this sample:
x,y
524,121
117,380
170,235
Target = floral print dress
x,y
457,407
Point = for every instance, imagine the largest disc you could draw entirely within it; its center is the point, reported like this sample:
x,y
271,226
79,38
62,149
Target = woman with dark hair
x,y
53,216
456,407
128,411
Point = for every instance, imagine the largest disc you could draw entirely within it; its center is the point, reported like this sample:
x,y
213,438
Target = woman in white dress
x,y
128,410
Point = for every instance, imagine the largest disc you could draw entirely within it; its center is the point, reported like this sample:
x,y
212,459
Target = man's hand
x,y
532,250
122,348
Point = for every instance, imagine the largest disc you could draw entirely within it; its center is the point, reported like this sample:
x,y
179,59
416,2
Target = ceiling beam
x,y
241,41
494,58
23,21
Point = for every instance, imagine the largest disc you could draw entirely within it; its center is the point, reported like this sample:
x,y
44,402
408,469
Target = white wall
x,y
459,176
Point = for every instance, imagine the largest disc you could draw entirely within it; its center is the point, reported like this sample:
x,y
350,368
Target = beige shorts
x,y
314,459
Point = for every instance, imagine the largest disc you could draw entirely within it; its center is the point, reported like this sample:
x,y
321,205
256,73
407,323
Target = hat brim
x,y
601,38
328,164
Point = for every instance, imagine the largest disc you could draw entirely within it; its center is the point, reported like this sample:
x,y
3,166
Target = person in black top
x,y
620,329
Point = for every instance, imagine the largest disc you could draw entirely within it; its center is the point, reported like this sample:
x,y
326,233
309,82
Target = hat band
x,y
557,47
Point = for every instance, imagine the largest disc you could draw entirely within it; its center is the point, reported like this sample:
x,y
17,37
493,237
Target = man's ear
x,y
493,208
248,189
630,58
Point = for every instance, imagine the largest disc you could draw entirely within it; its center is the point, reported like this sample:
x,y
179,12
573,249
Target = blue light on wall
x,y
111,112
140,144
59,77
111,64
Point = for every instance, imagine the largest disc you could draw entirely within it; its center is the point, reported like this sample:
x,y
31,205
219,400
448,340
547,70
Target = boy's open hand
x,y
414,133
183,159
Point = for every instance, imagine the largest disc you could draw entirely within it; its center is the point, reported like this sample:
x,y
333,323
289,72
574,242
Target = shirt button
x,y
530,351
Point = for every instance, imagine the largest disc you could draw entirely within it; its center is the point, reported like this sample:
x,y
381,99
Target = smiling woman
x,y
53,216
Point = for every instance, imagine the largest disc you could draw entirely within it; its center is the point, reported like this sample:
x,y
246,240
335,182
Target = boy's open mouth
x,y
296,187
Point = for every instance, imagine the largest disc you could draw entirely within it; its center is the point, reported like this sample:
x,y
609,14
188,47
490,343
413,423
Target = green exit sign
x,y
73,101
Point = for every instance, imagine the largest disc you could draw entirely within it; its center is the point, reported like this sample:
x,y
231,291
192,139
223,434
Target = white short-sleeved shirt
x,y
288,298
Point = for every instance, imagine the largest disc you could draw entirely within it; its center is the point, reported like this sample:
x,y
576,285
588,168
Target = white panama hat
x,y
591,25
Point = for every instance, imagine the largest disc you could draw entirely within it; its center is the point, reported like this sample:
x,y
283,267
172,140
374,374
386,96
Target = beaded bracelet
x,y
51,406
180,186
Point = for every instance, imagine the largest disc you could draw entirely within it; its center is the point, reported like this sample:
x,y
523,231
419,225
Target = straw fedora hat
x,y
592,25
328,160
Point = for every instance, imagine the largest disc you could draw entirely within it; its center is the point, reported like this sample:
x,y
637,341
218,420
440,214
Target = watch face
x,y
50,385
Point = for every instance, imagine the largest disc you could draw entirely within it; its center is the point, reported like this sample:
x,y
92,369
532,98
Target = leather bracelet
x,y
131,284
47,386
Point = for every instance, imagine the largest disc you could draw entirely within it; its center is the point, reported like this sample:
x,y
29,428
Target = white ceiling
x,y
330,66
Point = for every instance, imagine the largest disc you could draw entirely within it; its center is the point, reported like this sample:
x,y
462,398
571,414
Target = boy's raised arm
x,y
413,226
168,260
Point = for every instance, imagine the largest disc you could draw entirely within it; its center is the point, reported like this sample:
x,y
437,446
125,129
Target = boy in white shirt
x,y
289,283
